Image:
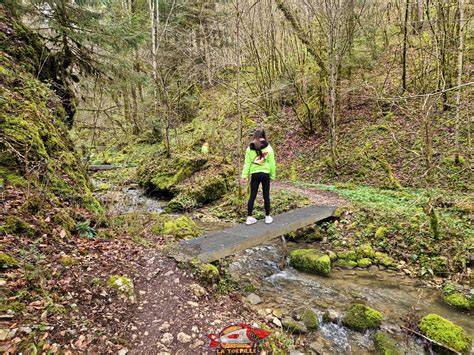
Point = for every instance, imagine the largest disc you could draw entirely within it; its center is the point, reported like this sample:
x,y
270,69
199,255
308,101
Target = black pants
x,y
255,181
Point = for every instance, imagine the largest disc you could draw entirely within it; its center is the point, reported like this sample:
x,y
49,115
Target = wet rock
x,y
331,315
254,299
293,326
364,262
320,346
361,317
308,317
184,338
385,344
345,264
311,260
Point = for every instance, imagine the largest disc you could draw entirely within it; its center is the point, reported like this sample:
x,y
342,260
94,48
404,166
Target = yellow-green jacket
x,y
259,164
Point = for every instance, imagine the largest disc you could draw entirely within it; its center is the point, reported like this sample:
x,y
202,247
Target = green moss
x,y
345,264
361,317
347,255
364,262
384,260
207,272
309,318
182,227
439,265
293,327
311,260
123,285
458,300
16,226
385,344
332,255
381,232
68,261
7,261
445,332
365,251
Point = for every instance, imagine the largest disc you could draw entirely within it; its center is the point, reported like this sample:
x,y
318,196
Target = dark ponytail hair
x,y
258,134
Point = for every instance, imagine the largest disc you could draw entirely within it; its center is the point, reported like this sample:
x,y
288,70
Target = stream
x,y
394,294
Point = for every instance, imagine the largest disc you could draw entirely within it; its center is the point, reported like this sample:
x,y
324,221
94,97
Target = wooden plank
x,y
218,245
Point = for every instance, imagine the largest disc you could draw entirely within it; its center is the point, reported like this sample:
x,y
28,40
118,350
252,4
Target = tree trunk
x,y
404,53
459,81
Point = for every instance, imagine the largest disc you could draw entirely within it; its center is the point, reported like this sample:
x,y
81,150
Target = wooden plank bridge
x,y
218,245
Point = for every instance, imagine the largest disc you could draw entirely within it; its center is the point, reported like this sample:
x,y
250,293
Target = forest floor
x,y
318,197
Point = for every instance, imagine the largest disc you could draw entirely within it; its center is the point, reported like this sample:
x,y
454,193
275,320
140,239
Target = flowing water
x,y
283,288
394,294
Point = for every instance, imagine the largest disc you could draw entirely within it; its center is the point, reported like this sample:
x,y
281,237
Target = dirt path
x,y
319,197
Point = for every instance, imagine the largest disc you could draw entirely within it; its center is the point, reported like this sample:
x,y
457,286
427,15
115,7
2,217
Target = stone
x,y
277,313
311,260
277,322
445,332
4,334
167,338
254,299
320,346
361,317
293,326
345,264
26,330
308,317
385,344
364,262
197,290
331,315
197,343
122,351
184,338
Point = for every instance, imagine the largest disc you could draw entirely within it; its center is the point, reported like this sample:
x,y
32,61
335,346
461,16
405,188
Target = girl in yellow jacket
x,y
260,167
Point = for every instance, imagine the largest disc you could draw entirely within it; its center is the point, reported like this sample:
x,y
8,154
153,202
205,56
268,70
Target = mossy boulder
x,y
345,264
179,227
123,286
365,251
385,344
385,260
364,262
445,332
311,260
361,317
190,180
7,261
347,255
455,296
294,327
308,317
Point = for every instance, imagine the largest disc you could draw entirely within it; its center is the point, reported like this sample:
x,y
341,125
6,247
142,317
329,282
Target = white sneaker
x,y
268,219
250,220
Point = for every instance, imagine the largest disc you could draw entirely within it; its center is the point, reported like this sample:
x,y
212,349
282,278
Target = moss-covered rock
x,y
311,260
364,262
445,332
347,255
308,317
455,296
16,226
123,285
179,227
345,264
385,260
332,255
293,327
7,261
440,265
205,271
190,180
385,344
365,251
361,317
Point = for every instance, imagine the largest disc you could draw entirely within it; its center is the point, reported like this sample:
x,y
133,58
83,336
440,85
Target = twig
x,y
431,340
